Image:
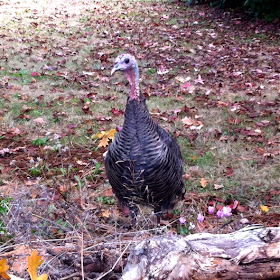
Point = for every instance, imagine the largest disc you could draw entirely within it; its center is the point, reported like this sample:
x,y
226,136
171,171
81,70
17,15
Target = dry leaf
x,y
105,214
194,124
264,208
216,187
186,176
63,188
3,269
105,136
33,262
39,120
108,192
203,182
98,135
187,121
194,157
80,162
111,134
103,142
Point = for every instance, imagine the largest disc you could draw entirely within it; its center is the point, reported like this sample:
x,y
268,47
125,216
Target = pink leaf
x,y
39,120
199,80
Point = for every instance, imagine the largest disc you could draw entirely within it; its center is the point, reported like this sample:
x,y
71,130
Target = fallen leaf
x,y
35,74
242,208
234,120
33,262
108,192
235,204
117,112
111,134
219,207
180,79
3,269
203,182
217,187
199,80
39,120
100,134
194,157
104,142
187,121
264,208
106,213
186,176
80,162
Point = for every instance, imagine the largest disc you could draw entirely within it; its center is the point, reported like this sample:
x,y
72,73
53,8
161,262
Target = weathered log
x,y
250,253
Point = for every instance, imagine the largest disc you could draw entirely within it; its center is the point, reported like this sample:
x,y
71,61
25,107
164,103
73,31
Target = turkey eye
x,y
126,60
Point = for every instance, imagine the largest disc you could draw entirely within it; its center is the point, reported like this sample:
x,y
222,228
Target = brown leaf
x,y
106,213
203,182
233,120
108,192
241,208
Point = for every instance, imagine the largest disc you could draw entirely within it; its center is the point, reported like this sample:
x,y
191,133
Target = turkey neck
x,y
132,76
137,117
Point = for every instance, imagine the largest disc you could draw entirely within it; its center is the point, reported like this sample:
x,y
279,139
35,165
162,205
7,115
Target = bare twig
x,y
110,270
70,276
82,257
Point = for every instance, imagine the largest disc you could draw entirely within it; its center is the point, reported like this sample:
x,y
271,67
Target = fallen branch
x,y
250,253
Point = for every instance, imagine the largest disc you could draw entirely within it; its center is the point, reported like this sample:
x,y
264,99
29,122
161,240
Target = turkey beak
x,y
115,68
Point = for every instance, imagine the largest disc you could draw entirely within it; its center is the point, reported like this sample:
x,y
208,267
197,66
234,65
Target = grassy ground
x,y
212,81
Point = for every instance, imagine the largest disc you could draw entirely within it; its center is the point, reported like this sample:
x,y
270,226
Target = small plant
x,y
17,95
40,141
63,224
81,183
36,113
182,227
202,160
35,171
24,75
4,203
177,211
106,199
96,171
151,71
51,210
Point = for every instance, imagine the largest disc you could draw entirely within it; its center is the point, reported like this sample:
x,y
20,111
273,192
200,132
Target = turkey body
x,y
144,163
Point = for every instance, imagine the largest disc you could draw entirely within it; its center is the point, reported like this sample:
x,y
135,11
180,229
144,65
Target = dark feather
x,y
144,163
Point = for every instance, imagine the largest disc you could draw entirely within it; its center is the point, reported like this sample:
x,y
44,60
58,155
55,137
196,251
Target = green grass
x,y
63,49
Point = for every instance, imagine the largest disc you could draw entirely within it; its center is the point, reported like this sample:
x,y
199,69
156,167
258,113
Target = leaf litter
x,y
211,81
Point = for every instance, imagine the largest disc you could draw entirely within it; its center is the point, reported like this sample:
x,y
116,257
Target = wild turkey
x,y
144,163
